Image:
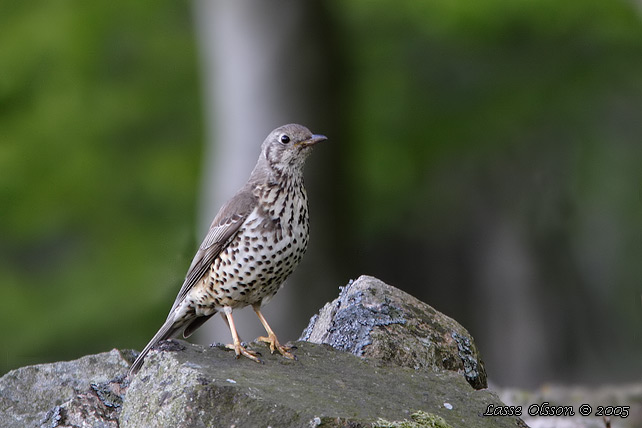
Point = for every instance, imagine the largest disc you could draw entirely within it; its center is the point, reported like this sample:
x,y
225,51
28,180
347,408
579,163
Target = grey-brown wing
x,y
224,228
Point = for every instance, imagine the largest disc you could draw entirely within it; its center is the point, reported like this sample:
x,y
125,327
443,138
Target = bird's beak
x,y
312,140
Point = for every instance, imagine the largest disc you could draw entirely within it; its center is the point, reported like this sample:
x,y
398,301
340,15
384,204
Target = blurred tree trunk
x,y
263,65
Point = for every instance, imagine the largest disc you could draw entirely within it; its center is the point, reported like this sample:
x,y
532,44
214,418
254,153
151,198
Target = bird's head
x,y
287,147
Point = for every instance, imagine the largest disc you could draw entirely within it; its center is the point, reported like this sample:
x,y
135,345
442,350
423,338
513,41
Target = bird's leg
x,y
227,346
271,337
224,318
236,346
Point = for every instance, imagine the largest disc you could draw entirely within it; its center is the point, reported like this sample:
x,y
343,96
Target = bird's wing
x,y
223,229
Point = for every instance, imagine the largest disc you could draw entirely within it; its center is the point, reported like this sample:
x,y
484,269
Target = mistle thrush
x,y
255,241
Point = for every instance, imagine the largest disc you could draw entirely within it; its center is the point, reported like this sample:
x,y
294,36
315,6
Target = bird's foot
x,y
239,350
276,346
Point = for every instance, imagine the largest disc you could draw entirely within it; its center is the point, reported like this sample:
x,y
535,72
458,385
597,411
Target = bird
x,y
254,243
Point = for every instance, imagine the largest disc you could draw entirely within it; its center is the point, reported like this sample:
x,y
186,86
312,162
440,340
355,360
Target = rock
x,y
97,407
375,320
200,387
402,381
49,395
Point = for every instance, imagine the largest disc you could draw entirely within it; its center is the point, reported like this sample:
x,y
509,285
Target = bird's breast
x,y
265,251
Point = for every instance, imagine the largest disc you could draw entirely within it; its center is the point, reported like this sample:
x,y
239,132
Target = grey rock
x,y
200,387
97,407
400,379
52,395
375,320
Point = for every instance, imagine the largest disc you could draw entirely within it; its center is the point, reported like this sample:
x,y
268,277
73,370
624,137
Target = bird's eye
x,y
285,139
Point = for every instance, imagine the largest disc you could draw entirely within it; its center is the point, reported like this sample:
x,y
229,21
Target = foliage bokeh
x,y
100,132
455,118
494,172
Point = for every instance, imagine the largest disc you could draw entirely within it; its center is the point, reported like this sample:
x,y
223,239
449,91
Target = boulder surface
x,y
382,359
375,320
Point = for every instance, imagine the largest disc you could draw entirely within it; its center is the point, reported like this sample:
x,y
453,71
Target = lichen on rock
x,y
375,320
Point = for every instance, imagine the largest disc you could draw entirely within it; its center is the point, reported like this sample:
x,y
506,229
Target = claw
x,y
237,346
276,346
239,350
271,337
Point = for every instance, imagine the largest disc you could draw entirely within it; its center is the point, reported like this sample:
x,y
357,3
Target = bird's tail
x,y
169,329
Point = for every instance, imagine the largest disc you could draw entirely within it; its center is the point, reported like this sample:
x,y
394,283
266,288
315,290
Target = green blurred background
x,y
486,157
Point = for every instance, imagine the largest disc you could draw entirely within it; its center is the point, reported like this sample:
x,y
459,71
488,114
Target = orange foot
x,y
241,350
276,346
236,345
